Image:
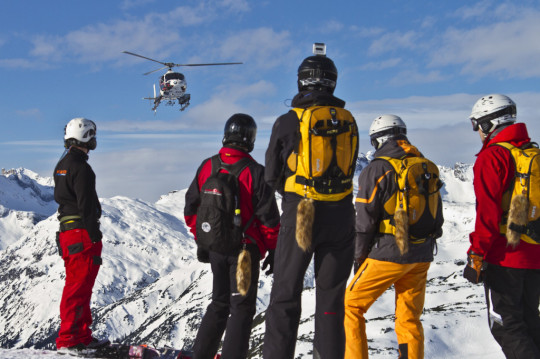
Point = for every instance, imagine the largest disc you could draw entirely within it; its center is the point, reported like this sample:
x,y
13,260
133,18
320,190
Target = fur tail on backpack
x,y
243,272
304,223
401,219
517,217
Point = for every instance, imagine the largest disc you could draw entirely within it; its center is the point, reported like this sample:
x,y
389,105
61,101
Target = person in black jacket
x,y
332,229
233,303
79,238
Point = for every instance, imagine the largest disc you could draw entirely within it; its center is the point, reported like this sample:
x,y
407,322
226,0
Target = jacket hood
x,y
305,99
516,134
227,152
397,147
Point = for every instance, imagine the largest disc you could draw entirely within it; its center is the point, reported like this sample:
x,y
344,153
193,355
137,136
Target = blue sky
x,y
427,62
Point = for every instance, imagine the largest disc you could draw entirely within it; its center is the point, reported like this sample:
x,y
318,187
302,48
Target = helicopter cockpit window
x,y
174,76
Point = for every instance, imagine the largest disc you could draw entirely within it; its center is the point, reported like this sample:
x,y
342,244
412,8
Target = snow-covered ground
x,y
151,289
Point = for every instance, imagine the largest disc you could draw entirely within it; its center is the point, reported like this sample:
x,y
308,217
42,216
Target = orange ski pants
x,y
372,279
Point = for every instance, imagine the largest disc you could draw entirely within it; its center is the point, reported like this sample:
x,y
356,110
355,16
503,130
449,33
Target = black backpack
x,y
219,224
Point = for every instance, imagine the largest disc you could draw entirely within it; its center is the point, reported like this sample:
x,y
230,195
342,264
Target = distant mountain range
x,y
152,290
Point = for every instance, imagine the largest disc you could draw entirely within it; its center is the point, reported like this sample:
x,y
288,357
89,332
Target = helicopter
x,y
173,85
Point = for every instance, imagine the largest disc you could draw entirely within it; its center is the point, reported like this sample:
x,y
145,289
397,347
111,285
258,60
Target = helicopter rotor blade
x,y
144,57
211,64
161,68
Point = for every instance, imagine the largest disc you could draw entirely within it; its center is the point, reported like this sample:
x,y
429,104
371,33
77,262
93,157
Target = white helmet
x,y
80,132
491,111
385,127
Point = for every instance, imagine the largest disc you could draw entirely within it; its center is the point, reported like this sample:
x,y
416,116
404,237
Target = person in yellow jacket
x,y
379,259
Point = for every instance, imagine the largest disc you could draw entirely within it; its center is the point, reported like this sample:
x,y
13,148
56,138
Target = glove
x,y
473,271
358,263
269,262
203,256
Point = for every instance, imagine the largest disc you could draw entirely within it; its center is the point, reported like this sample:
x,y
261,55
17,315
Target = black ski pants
x,y
512,297
333,250
228,310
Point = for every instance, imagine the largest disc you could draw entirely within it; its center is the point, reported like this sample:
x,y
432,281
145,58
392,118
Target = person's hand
x,y
269,262
203,256
358,263
473,269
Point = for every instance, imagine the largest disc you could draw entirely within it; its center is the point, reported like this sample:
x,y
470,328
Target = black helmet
x,y
240,131
317,72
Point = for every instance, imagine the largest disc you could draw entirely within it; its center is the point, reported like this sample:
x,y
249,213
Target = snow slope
x,y
151,289
25,199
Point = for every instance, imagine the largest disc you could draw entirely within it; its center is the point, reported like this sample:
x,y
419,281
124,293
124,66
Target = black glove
x,y
203,256
269,261
473,271
358,263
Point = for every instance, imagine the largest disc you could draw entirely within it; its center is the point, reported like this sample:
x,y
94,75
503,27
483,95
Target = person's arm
x,y
192,202
493,171
84,186
265,209
282,142
374,183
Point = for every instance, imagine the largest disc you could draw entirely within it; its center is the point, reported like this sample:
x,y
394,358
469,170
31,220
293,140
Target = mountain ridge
x,y
151,289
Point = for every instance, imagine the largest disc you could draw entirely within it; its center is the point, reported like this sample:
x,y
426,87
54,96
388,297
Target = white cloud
x,y
19,63
34,143
505,49
407,77
477,10
390,42
209,114
430,112
331,26
365,31
236,5
440,125
129,4
30,113
104,41
266,47
126,126
381,65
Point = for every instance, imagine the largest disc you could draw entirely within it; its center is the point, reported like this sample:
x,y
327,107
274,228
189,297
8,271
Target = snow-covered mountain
x,y
151,289
25,199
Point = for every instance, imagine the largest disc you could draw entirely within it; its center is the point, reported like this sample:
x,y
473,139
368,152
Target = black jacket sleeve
x,y
84,184
375,185
264,200
193,198
282,142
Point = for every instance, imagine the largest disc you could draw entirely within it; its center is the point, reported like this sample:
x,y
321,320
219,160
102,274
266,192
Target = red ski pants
x,y
82,259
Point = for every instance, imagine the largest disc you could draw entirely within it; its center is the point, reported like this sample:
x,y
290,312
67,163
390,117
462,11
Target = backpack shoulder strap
x,y
215,164
394,162
237,168
506,145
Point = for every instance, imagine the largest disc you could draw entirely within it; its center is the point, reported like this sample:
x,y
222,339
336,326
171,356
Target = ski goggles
x,y
484,121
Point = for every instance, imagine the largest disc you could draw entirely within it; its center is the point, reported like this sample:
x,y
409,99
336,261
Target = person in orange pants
x,y
372,279
388,249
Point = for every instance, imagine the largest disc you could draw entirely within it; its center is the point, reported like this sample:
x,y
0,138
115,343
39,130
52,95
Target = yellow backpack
x,y
412,210
521,203
322,165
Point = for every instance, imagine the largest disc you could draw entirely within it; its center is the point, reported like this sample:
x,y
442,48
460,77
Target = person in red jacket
x,y
511,275
229,311
79,238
